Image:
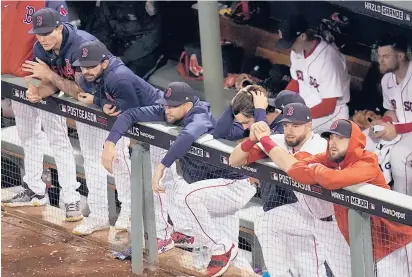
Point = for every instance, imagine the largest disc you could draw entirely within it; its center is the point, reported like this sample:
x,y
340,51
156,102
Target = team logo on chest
x,y
66,71
29,13
393,102
299,75
313,82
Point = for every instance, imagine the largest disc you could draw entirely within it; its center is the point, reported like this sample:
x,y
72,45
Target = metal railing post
x,y
137,208
360,237
209,26
148,210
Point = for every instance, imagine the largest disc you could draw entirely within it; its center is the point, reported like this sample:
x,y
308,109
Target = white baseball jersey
x,y
323,74
315,145
398,97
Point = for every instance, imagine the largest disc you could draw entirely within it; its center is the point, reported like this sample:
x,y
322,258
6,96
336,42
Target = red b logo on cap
x,y
85,52
39,20
290,111
168,92
334,125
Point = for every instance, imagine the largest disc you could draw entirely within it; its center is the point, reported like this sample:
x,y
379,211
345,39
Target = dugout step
x,y
168,73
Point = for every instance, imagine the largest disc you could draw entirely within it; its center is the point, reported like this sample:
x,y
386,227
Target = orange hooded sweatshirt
x,y
359,166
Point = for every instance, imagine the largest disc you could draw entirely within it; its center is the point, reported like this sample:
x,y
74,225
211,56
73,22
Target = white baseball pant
x,y
396,264
294,240
201,202
161,201
28,123
322,124
91,143
400,160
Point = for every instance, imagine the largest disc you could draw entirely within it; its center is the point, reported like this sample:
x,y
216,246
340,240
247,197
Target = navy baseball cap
x,y
285,97
45,21
296,113
289,30
176,94
91,53
340,127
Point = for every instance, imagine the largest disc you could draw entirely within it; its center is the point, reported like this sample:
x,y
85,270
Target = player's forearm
x,y
403,128
390,115
45,90
238,156
324,108
282,159
65,85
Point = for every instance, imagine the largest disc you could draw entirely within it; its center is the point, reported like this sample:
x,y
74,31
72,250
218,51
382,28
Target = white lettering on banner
x,y
387,11
338,195
192,150
250,169
146,135
22,95
394,13
81,114
393,213
359,202
289,181
134,131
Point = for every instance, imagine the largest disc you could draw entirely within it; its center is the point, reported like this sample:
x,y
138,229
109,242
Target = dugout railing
x,y
362,200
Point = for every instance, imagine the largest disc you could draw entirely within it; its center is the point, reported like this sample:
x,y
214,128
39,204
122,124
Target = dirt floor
x,y
32,249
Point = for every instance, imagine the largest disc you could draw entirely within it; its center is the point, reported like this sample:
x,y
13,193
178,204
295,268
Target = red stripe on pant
x,y
197,220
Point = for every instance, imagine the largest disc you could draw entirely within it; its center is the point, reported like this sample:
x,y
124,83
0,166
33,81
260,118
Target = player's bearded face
x,y
338,146
92,73
294,133
388,59
174,114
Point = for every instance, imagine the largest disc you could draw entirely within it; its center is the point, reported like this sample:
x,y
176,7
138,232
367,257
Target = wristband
x,y
268,143
247,145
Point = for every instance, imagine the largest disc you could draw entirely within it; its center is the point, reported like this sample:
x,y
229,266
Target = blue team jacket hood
x,y
68,33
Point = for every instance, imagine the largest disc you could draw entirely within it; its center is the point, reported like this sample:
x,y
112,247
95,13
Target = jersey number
x,y
29,13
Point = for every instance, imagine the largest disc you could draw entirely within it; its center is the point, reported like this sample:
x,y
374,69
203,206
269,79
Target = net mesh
x,y
205,211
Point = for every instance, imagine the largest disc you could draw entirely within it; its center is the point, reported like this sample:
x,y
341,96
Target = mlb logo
x,y
274,176
63,108
16,92
207,154
371,206
224,160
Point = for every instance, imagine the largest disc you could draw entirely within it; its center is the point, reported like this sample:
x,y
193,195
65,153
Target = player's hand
x,y
110,110
85,98
32,92
157,178
260,101
389,133
252,135
108,155
261,130
39,69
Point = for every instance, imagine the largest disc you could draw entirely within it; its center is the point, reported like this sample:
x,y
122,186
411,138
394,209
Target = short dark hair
x,y
243,101
397,42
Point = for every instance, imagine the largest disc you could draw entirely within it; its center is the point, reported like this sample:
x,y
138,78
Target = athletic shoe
x,y
26,197
90,225
122,222
164,245
181,240
220,263
73,212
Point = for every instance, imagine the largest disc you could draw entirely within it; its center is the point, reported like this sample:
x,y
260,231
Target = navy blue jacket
x,y
120,87
227,128
68,54
197,122
236,131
